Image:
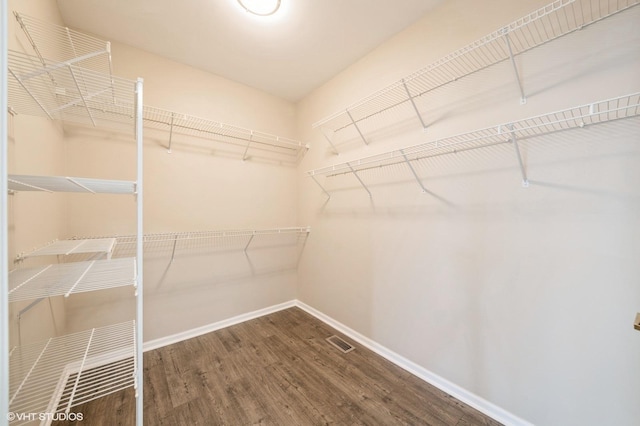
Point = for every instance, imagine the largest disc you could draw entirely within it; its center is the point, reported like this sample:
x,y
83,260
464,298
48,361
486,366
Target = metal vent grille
x,y
340,344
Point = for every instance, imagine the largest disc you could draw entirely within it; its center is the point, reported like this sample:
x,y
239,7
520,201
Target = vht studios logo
x,y
29,417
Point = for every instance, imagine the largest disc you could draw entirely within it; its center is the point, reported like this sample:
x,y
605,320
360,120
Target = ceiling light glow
x,y
260,7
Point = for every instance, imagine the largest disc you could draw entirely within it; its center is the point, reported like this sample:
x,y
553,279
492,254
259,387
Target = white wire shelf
x,y
577,117
65,279
62,372
68,247
555,20
70,184
250,141
190,242
62,44
65,91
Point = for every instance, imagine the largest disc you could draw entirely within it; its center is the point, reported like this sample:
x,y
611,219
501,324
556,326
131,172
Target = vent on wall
x,y
340,344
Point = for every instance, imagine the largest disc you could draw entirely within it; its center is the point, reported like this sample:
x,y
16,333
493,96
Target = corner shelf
x,y
56,375
548,23
577,117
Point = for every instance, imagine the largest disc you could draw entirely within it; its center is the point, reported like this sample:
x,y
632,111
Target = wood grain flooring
x,y
277,370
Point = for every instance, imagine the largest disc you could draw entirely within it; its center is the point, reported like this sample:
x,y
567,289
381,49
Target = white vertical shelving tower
x,y
68,77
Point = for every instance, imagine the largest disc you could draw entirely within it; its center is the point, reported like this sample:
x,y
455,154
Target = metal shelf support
x,y
523,99
360,180
413,171
357,128
516,147
413,104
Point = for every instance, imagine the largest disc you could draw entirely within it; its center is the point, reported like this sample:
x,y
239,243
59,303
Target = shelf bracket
x,y
360,180
357,128
30,94
321,187
413,171
173,252
335,151
249,242
170,132
516,146
523,99
415,108
244,155
84,101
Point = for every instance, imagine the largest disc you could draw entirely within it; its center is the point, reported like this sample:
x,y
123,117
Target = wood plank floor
x,y
277,370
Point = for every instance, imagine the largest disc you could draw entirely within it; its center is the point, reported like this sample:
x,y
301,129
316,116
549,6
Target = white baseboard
x,y
452,389
444,385
189,334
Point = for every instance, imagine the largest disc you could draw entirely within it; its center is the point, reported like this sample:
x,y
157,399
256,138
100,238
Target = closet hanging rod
x,y
618,108
552,21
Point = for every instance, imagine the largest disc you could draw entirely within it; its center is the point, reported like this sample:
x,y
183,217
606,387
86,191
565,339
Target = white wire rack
x,y
191,242
70,184
62,44
250,141
557,19
62,372
68,278
577,117
65,91
69,77
68,247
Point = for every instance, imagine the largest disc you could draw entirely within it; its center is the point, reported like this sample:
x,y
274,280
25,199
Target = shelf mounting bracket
x,y
249,242
505,32
19,80
415,108
359,180
84,101
516,146
244,155
170,132
413,171
357,128
321,187
335,151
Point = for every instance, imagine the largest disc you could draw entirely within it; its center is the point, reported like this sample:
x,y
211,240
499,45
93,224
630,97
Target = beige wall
x,y
202,185
524,297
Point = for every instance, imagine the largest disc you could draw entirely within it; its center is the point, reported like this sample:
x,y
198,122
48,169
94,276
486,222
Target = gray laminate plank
x,y
278,369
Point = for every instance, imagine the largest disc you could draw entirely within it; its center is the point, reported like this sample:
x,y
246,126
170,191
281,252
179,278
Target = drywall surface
x,y
522,296
202,185
35,147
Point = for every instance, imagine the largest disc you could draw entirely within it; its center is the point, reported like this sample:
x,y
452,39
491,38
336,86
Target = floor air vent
x,y
340,344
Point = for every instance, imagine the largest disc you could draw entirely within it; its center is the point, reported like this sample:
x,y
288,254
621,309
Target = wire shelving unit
x,y
62,372
63,79
622,107
68,77
548,23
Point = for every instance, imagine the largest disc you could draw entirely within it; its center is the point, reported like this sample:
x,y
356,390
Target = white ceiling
x,y
288,54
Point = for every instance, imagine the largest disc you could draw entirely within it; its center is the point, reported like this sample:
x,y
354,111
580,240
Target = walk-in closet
x,y
295,212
